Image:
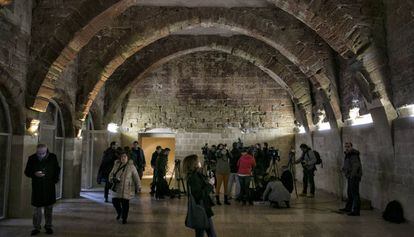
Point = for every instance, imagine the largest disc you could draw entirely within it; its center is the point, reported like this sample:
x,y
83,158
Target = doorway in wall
x,y
149,142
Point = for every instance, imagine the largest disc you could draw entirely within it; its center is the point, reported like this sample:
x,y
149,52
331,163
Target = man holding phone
x,y
43,168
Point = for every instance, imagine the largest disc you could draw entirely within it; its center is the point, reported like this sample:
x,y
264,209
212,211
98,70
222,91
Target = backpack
x,y
318,158
394,212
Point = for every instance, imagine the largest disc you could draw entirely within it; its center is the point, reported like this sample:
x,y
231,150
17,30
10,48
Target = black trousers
x,y
106,190
354,202
122,207
308,178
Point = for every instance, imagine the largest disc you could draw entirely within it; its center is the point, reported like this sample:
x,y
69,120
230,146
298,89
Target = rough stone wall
x,y
386,175
191,142
400,40
208,91
15,23
349,89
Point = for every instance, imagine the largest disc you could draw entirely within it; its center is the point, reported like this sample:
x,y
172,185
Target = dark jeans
x,y
106,190
245,188
308,178
37,216
122,207
354,202
210,231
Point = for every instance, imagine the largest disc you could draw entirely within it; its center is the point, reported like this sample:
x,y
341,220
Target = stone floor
x,y
89,216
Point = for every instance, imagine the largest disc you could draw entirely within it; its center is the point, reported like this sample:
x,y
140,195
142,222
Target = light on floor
x,y
113,127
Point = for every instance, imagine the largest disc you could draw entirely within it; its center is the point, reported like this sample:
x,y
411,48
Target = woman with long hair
x,y
126,183
200,190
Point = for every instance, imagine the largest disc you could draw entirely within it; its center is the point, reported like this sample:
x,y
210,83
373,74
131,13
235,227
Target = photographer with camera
x,y
125,182
308,161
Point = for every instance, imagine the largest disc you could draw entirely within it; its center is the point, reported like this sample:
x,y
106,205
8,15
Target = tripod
x,y
178,177
273,168
292,169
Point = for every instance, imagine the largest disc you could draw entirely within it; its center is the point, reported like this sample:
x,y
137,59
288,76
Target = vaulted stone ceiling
x,y
297,43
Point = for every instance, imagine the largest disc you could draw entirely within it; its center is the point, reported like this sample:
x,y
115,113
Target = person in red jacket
x,y
245,167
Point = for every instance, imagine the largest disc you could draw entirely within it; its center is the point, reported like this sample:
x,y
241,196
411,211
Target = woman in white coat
x,y
125,177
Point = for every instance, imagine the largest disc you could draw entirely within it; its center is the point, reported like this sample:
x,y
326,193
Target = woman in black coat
x,y
200,189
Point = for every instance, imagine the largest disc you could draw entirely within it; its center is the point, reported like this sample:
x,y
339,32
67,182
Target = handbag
x,y
115,181
196,214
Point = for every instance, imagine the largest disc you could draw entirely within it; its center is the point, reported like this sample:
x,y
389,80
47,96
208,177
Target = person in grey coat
x,y
276,193
352,170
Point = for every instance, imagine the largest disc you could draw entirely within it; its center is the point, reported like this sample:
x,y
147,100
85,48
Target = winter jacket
x,y
352,165
43,188
161,166
308,160
245,164
107,163
137,155
287,180
201,189
235,155
129,180
276,192
154,159
222,165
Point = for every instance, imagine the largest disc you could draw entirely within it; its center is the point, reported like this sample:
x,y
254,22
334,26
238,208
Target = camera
x,y
274,154
114,183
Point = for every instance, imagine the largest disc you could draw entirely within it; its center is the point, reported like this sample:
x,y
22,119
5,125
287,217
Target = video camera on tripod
x,y
274,154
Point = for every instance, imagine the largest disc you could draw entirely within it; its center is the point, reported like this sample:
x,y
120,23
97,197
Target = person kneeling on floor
x,y
276,193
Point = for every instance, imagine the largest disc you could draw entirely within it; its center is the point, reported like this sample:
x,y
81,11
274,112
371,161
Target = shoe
x,y
344,210
124,221
218,200
287,204
244,203
226,200
106,200
118,216
302,195
251,203
35,232
353,214
49,231
311,196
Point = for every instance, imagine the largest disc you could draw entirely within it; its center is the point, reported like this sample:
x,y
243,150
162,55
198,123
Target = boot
x,y
218,200
226,200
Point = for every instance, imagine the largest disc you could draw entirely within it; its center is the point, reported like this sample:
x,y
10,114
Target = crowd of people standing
x,y
253,170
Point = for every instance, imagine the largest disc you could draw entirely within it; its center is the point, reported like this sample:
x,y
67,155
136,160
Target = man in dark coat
x,y
235,155
107,163
137,155
162,188
44,170
353,172
154,167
